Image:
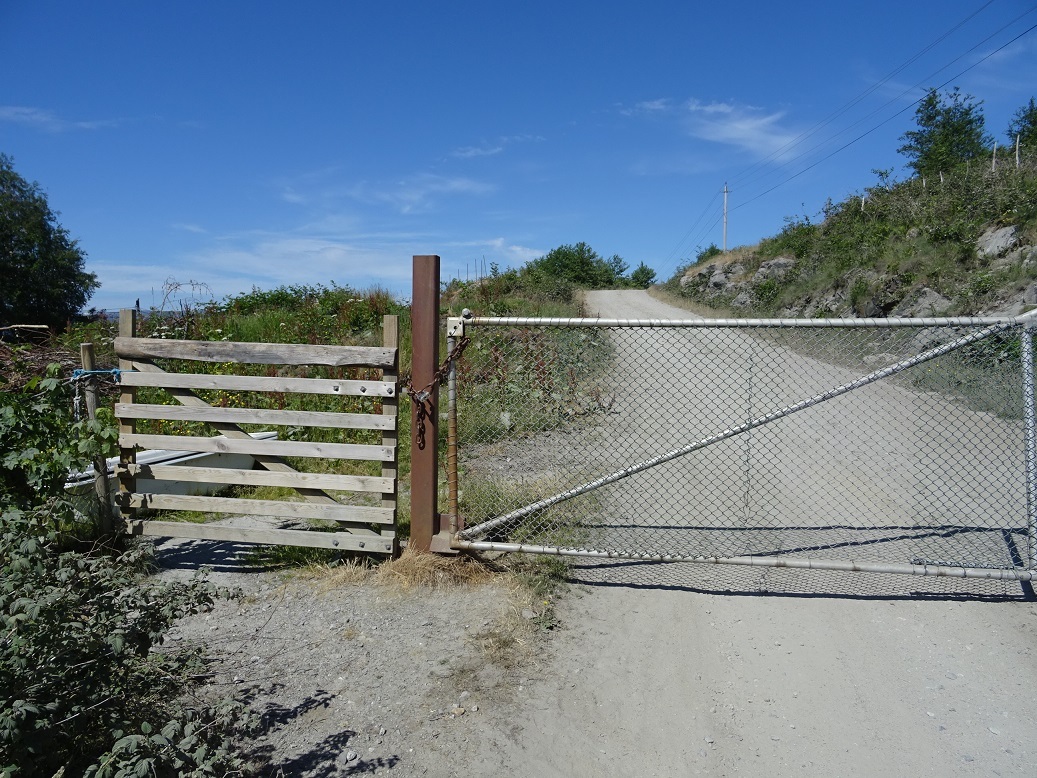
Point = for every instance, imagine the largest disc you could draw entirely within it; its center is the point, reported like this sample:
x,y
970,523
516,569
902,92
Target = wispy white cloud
x,y
421,192
757,130
314,254
233,264
760,132
697,106
48,121
467,152
497,250
657,107
289,195
490,149
190,228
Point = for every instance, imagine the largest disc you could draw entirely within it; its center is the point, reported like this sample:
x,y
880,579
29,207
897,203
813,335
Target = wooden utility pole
x,y
725,216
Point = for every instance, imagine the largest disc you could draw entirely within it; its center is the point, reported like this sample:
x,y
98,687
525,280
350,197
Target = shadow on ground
x,y
784,582
217,555
324,759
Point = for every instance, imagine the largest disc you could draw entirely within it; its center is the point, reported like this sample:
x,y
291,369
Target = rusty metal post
x,y
424,458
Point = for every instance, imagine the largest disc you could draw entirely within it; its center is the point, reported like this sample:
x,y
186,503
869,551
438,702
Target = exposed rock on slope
x,y
1004,279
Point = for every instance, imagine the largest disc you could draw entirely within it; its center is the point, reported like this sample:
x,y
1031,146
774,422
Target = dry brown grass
x,y
412,569
693,306
526,612
508,641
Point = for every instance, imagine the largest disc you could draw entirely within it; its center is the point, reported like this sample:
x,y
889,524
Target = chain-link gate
x,y
895,445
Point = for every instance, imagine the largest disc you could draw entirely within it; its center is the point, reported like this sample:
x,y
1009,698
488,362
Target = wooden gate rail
x,y
362,528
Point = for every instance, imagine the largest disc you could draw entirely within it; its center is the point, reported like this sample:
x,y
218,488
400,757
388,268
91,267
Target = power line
x,y
678,249
899,96
683,243
898,113
741,177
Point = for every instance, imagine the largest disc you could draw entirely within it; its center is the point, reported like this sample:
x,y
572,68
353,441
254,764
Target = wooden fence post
x,y
101,485
128,395
390,407
424,458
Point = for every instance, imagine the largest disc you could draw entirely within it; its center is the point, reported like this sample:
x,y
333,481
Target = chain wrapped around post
x,y
422,398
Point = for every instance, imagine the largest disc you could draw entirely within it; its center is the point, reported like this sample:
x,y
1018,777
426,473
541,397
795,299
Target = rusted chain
x,y
422,398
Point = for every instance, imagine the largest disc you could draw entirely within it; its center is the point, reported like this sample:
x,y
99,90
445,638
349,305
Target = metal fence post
x,y
424,500
1029,421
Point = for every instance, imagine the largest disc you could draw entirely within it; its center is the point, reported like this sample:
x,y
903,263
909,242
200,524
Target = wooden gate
x,y
366,528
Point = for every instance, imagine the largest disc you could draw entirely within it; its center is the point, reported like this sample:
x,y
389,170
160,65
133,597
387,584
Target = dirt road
x,y
675,670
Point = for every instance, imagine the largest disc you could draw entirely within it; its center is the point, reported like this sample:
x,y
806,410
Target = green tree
x,y
642,277
1024,125
708,253
951,131
581,265
41,267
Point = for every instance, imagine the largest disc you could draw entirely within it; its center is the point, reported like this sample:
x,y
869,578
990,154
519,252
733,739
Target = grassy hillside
x,y
909,248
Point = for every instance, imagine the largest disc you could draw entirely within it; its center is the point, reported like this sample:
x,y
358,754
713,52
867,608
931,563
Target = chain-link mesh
x,y
900,445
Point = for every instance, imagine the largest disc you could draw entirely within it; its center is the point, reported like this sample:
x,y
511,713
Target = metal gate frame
x,y
465,538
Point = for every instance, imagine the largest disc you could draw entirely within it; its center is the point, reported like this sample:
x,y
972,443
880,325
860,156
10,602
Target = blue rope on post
x,y
79,374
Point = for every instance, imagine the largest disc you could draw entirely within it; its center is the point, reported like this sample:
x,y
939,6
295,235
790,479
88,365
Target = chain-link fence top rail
x,y
860,441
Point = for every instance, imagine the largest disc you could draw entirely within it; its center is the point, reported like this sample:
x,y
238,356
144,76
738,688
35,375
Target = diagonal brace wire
x,y
731,432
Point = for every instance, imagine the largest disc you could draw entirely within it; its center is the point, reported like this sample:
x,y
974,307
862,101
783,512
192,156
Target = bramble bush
x,y
83,690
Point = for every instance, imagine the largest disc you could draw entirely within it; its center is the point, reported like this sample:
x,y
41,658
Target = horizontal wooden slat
x,y
226,475
256,353
293,510
282,537
245,383
271,463
357,421
280,448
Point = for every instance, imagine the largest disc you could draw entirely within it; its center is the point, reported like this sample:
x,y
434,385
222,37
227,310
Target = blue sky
x,y
258,144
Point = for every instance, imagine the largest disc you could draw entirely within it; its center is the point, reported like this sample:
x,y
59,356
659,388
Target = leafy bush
x,y
82,688
580,265
712,250
642,277
42,441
